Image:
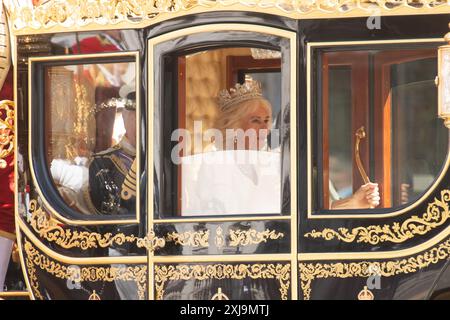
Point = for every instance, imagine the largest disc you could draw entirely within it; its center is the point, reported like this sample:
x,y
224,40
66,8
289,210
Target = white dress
x,y
231,182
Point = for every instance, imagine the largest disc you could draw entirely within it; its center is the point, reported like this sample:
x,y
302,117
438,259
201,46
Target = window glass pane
x,y
340,133
91,135
419,153
228,159
382,144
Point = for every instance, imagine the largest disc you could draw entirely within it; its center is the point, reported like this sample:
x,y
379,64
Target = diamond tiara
x,y
241,92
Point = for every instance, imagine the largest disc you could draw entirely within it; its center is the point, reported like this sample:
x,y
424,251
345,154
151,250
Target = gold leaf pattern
x,y
82,12
50,230
281,272
6,131
190,238
312,271
252,236
111,273
438,212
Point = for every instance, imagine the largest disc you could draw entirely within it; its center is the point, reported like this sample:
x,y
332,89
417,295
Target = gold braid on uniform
x,y
129,184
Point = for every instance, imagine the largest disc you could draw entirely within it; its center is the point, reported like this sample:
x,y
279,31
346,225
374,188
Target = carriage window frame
x,y
40,172
155,107
315,127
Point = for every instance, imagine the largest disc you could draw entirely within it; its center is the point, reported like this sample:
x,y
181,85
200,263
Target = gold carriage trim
x,y
35,259
81,13
6,131
252,236
190,238
280,272
364,269
51,230
151,242
438,213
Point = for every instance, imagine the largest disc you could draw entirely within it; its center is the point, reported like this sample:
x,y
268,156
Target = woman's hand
x,y
367,196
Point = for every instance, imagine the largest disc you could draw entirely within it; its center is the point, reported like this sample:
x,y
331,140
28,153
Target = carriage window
x,y
90,137
226,150
382,144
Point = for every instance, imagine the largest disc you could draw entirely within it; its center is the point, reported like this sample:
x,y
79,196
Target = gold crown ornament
x,y
241,92
365,294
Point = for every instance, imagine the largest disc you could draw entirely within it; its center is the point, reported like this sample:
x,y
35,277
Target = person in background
x,y
112,172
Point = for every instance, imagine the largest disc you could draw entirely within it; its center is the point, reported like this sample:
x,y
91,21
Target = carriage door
x,y
221,214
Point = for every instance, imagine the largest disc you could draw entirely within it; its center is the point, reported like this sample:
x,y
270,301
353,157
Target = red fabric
x,y
6,92
93,45
7,174
7,196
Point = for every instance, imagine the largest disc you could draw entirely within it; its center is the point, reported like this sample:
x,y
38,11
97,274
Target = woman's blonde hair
x,y
231,117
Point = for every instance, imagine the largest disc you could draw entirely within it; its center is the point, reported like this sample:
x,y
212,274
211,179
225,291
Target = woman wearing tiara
x,y
249,186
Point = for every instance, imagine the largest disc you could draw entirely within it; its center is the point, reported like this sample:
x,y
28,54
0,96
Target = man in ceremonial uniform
x,y
112,172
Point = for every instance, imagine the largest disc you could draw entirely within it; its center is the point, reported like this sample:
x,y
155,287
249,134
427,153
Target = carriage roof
x,y
81,15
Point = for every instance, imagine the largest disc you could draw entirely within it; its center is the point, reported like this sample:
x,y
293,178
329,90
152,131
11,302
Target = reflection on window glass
x,y
420,153
382,143
91,135
340,134
228,155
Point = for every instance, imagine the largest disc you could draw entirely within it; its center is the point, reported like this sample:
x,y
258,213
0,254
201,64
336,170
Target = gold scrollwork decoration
x,y
6,131
189,238
220,238
50,230
80,13
252,236
312,271
280,272
151,242
438,212
220,295
34,259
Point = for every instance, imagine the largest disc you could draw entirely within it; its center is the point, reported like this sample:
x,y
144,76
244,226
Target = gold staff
x,y
361,134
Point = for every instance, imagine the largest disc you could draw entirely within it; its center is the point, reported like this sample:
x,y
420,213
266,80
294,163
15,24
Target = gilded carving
x,y
365,294
312,271
33,278
438,212
35,259
50,230
220,295
82,12
281,272
6,131
151,242
190,238
252,236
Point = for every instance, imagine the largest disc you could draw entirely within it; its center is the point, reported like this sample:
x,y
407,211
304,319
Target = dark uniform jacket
x,y
112,180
